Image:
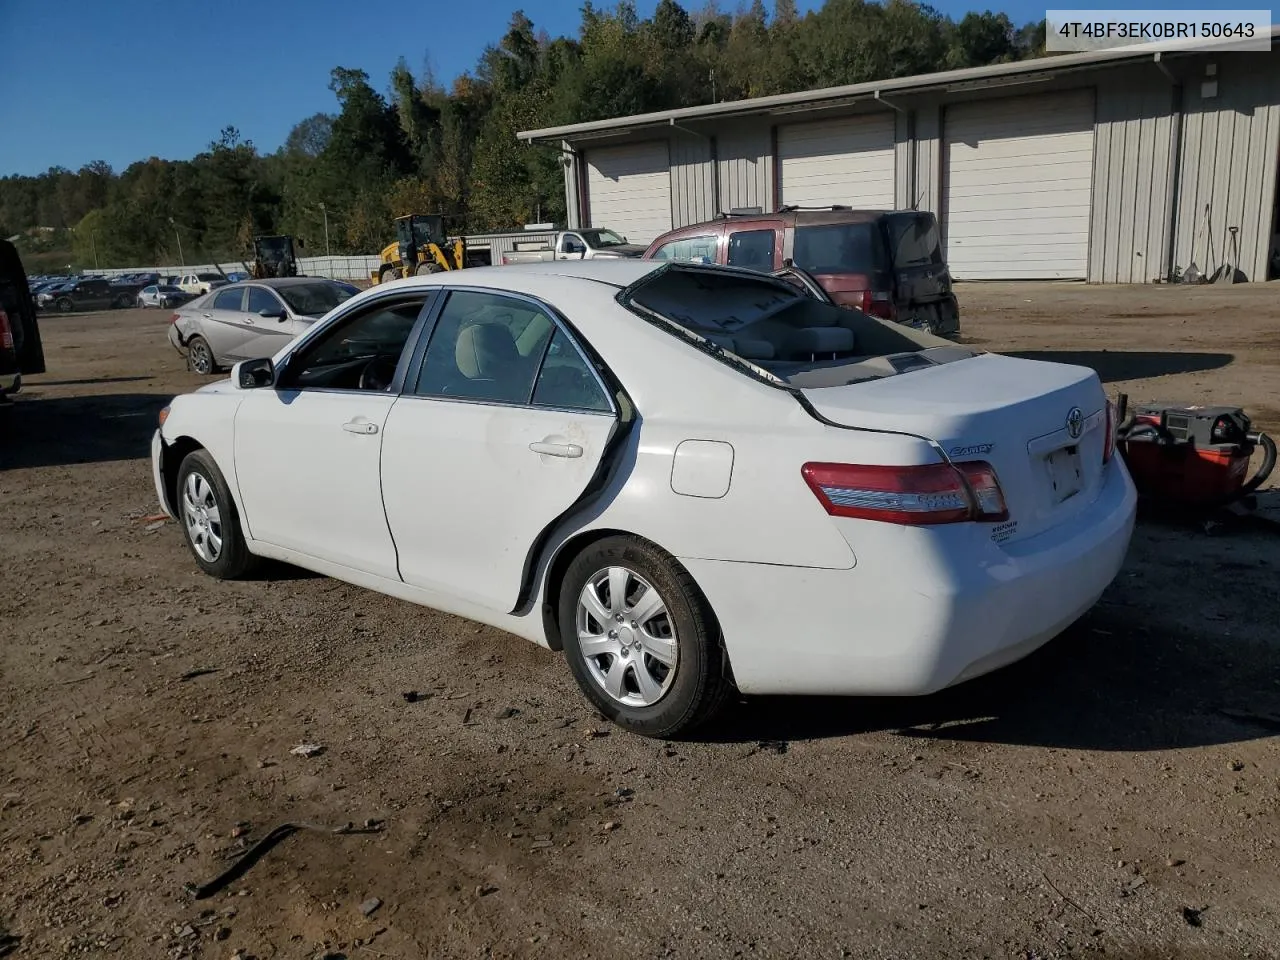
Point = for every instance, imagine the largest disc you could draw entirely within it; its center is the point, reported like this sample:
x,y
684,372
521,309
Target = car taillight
x,y
878,303
926,494
6,332
1109,439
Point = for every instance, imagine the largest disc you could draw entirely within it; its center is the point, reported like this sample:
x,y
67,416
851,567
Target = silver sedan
x,y
252,319
162,295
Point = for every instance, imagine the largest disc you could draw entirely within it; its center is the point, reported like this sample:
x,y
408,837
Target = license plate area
x,y
1064,473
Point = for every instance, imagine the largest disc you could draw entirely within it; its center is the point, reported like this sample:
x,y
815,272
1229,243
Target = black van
x,y
20,349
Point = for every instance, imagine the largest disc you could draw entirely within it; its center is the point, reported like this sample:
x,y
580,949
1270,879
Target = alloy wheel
x,y
626,636
201,517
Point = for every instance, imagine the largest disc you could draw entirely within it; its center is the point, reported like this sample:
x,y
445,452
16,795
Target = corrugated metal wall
x,y
1228,171
745,153
1228,162
1134,148
692,179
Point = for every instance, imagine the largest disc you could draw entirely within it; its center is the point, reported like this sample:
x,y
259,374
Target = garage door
x,y
1019,181
629,189
848,161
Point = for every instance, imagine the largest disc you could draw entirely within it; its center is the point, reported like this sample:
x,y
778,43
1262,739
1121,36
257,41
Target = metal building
x,y
1116,166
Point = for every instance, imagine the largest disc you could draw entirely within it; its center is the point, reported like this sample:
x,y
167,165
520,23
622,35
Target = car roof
x,y
517,276
277,282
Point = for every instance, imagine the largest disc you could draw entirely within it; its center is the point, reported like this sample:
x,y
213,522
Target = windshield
x,y
166,288
602,238
839,248
313,299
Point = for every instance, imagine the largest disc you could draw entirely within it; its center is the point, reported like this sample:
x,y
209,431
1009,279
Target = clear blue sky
x,y
122,80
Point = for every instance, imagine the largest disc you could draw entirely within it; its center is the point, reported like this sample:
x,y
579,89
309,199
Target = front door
x,y
222,323
497,434
307,450
271,325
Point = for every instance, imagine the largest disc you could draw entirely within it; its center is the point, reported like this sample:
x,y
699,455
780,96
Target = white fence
x,y
336,268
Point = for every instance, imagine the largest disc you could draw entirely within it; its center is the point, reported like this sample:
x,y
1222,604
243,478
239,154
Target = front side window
x,y
260,298
314,299
485,346
752,249
357,352
689,250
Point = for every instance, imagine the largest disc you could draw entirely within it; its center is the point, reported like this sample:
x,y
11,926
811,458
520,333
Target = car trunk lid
x,y
1041,426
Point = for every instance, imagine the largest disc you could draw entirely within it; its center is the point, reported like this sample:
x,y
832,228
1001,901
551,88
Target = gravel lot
x,y
1116,794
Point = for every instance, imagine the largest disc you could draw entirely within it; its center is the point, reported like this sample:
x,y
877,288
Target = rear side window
x,y
752,249
839,248
229,300
914,240
689,250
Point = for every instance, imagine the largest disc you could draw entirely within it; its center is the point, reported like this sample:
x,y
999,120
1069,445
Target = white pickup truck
x,y
589,244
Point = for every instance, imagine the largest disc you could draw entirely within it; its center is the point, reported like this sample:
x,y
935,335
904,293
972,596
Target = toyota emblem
x,y
1075,423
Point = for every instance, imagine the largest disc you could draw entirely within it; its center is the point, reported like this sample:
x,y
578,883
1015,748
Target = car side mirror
x,y
256,373
272,314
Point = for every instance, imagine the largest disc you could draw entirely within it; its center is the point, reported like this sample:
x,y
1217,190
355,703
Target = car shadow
x,y
89,381
1116,681
1088,690
1113,365
57,431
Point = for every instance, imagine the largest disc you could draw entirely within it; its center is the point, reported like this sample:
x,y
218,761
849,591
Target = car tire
x,y
209,519
65,305
200,357
661,675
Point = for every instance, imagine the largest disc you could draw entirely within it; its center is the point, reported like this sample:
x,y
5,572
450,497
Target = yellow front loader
x,y
420,247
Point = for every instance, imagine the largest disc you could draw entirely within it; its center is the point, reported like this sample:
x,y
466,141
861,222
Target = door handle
x,y
360,426
249,320
570,450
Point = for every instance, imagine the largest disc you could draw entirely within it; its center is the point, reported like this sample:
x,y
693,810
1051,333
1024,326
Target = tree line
x,y
422,147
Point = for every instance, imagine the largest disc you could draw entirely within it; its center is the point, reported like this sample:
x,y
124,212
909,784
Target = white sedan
x,y
687,478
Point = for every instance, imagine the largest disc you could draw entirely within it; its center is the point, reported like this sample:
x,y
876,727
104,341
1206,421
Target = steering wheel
x,y
378,374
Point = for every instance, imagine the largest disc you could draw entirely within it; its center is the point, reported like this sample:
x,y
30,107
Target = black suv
x,y
20,348
95,294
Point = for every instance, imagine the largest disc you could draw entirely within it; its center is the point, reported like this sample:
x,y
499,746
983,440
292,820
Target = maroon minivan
x,y
887,263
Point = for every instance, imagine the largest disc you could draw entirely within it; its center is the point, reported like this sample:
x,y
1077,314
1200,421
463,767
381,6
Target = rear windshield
x,y
914,239
313,299
839,248
789,336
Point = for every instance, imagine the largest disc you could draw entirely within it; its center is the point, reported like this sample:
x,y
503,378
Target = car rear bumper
x,y
175,338
921,610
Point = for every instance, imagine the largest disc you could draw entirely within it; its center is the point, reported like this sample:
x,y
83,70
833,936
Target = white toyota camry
x,y
687,478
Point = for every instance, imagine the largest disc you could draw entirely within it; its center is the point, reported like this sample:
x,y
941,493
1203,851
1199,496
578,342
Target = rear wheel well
x,y
174,454
565,556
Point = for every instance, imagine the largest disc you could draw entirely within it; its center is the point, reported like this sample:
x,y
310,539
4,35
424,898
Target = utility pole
x,y
93,240
326,229
178,237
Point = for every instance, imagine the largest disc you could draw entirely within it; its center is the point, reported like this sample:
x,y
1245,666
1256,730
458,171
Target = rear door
x,y
222,321
501,428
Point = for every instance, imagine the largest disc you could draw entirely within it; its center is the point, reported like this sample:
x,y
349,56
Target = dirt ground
x,y
1114,795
